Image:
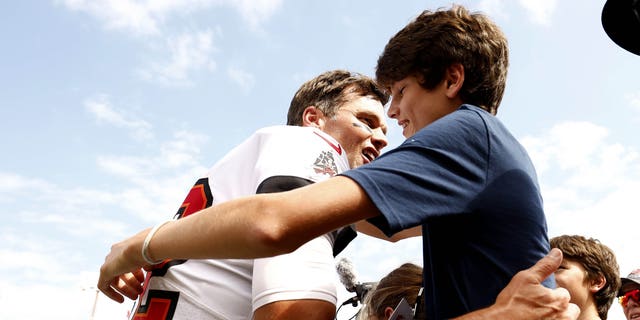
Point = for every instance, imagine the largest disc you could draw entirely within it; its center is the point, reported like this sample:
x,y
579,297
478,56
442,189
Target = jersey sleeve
x,y
307,273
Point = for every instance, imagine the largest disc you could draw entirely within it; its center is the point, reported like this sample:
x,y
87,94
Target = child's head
x,y
428,45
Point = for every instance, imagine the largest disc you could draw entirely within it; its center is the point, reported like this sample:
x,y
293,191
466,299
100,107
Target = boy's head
x,y
428,45
599,263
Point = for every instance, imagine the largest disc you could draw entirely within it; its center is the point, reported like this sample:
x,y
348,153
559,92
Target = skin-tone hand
x,y
525,298
130,279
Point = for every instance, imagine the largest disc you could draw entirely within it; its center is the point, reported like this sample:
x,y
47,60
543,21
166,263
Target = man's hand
x,y
525,298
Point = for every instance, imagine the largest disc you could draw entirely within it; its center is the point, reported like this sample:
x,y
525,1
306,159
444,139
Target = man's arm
x,y
251,227
297,285
296,309
525,298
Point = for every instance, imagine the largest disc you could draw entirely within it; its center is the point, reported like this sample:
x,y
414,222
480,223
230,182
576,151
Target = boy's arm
x,y
252,227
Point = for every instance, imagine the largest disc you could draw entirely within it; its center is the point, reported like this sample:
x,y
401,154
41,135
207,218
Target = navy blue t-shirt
x,y
474,190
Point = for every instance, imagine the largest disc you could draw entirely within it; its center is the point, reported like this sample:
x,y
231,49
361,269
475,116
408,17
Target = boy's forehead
x,y
396,84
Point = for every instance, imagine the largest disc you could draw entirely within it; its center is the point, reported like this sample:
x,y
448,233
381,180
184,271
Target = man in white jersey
x,y
335,122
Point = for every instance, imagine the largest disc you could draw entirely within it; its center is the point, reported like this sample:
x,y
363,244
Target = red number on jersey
x,y
199,197
160,305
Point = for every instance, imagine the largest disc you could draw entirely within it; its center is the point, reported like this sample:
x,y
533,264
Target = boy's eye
x,y
401,91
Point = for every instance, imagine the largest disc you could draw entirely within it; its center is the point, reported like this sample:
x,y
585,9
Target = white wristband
x,y
147,240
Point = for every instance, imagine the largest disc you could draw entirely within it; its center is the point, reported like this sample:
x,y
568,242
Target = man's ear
x,y
312,117
454,78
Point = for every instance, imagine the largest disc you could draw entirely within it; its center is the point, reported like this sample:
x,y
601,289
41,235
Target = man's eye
x,y
367,123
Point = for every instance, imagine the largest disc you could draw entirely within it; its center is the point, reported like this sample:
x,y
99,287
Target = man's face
x,y
632,307
360,127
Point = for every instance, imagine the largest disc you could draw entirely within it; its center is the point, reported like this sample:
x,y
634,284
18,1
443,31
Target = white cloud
x,y
126,15
157,184
181,151
188,53
255,12
103,111
11,182
634,100
148,17
540,10
580,151
634,103
494,8
245,79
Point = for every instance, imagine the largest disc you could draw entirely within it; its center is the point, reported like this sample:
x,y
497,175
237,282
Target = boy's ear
x,y
312,117
454,78
388,311
598,284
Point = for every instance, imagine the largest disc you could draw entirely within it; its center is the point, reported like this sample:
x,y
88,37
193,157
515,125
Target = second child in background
x,y
590,272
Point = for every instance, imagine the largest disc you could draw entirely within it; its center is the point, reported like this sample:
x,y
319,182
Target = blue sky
x,y
112,108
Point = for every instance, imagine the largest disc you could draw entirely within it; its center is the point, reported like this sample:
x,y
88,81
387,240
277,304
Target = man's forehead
x,y
368,104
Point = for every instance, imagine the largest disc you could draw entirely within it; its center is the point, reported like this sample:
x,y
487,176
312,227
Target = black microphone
x,y
362,289
348,277
347,274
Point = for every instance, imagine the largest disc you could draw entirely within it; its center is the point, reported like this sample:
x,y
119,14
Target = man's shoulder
x,y
301,137
283,129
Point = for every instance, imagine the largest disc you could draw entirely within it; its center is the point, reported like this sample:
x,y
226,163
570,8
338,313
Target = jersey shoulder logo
x,y
325,164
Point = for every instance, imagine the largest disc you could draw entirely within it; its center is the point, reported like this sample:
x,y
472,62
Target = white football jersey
x,y
271,159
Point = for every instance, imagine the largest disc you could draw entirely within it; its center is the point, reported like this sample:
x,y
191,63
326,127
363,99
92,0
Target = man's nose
x,y
379,139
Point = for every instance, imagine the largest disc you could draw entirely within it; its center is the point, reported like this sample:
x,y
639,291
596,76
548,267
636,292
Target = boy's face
x,y
360,127
571,275
415,107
